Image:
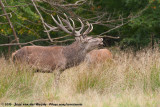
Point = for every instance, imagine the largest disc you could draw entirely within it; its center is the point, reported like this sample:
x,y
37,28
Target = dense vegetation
x,y
126,81
140,20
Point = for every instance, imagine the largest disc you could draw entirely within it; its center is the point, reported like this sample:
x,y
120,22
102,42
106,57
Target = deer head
x,y
80,35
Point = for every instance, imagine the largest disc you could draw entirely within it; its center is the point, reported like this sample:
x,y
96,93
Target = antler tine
x,y
53,28
55,20
82,26
59,20
78,37
73,26
86,32
60,25
67,22
90,28
66,17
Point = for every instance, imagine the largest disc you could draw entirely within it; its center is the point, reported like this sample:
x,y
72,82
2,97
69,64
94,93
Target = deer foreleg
x,y
57,78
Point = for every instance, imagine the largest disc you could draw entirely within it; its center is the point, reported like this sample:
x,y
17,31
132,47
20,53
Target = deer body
x,y
60,57
41,57
51,58
98,56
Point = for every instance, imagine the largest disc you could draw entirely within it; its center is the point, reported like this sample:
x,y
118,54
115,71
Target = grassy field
x,y
130,80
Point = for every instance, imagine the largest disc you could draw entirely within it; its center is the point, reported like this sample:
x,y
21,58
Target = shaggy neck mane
x,y
74,53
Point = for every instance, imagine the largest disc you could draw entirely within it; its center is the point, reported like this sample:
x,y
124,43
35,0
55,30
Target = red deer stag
x,y
98,56
60,57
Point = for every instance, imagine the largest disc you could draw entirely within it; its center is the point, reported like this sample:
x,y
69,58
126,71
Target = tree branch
x,y
6,14
11,25
112,37
31,42
42,20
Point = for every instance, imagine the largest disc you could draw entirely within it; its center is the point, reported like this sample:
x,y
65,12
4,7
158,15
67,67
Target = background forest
x,y
135,22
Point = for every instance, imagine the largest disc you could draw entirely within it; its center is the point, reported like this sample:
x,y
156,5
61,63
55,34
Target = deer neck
x,y
74,53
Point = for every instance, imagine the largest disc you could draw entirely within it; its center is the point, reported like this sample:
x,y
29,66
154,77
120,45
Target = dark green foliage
x,y
139,31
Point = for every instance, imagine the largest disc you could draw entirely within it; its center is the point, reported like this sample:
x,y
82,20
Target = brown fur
x,y
98,56
51,58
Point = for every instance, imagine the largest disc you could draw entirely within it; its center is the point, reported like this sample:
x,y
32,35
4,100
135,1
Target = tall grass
x,y
129,80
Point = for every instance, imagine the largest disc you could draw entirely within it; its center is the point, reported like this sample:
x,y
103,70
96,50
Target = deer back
x,y
41,56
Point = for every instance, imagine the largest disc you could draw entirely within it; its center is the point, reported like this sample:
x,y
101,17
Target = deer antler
x,y
90,28
78,34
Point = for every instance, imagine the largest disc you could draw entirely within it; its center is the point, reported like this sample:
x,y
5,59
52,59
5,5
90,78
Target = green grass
x,y
127,81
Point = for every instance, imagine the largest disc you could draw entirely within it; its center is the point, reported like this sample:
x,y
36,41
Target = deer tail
x,y
13,56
